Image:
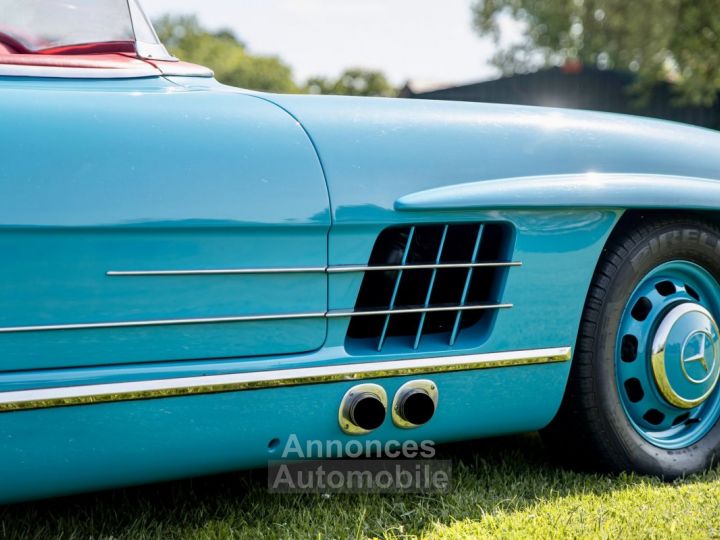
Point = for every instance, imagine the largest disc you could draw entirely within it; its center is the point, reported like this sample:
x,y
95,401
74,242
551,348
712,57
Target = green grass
x,y
503,488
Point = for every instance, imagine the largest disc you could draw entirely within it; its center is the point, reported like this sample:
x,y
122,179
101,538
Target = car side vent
x,y
432,286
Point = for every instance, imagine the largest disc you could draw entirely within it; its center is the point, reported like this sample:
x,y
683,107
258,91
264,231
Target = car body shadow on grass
x,y
505,487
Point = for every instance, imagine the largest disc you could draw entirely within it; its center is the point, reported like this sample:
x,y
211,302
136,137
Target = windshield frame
x,y
146,49
142,40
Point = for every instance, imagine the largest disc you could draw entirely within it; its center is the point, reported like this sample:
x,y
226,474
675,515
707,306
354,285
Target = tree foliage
x,y
353,82
225,54
673,40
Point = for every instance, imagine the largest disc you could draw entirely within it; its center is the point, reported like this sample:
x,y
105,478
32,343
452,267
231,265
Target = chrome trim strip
x,y
217,272
11,70
243,318
402,311
173,69
162,322
211,384
307,270
439,266
52,72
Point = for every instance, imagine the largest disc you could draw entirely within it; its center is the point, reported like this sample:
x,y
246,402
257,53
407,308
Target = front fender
x,y
589,190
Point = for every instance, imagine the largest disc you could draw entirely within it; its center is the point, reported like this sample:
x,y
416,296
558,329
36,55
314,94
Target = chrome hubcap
x,y
667,359
685,352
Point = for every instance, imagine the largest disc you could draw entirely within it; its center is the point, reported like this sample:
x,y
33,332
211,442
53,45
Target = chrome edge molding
x,y
161,322
307,270
244,318
404,311
213,384
216,272
52,72
333,314
435,266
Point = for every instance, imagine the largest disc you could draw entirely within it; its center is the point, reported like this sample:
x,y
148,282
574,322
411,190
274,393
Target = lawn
x,y
504,487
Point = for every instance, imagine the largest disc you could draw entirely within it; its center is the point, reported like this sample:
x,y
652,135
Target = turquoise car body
x,y
103,178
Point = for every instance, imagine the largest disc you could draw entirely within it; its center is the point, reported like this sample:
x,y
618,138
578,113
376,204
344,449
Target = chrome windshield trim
x,y
149,50
153,51
212,384
342,269
244,318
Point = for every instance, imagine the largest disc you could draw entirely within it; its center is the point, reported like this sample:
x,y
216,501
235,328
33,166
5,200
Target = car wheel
x,y
642,394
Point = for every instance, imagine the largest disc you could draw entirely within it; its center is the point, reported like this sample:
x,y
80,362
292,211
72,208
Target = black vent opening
x,y
450,278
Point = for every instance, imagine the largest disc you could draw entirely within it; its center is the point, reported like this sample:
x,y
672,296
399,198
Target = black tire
x,y
591,429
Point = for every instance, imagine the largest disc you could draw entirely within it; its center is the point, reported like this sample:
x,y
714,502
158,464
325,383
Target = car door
x,y
140,222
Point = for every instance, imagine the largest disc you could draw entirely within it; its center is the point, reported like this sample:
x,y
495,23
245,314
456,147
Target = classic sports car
x,y
193,273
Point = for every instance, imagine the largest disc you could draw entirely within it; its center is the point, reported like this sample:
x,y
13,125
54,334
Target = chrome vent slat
x,y
448,277
468,278
421,324
398,279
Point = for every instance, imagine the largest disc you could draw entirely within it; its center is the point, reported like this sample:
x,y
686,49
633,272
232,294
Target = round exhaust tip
x,y
363,409
415,404
367,411
417,407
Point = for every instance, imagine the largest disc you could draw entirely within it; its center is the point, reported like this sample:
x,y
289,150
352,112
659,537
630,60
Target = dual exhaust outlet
x,y
364,407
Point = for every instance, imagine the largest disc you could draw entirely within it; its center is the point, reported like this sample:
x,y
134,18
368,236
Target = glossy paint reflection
x,y
148,175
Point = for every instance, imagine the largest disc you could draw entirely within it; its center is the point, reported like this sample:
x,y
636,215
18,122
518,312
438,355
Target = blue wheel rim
x,y
676,286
